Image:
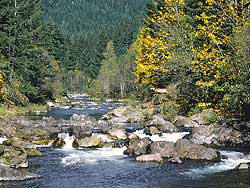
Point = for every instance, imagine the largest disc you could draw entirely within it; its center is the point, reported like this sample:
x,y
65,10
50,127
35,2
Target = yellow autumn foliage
x,y
157,45
1,84
217,73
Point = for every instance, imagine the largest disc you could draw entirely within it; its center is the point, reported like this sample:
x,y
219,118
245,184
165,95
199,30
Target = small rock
x,y
243,166
118,134
154,130
175,160
164,126
132,136
23,165
150,158
181,121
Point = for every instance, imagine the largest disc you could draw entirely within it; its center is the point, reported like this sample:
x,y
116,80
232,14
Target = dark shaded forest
x,y
89,25
51,47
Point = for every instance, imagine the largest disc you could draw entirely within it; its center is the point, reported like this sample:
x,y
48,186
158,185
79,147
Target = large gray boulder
x,y
186,149
138,146
216,136
166,149
88,142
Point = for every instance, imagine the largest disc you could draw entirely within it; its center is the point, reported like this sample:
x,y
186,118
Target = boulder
x,y
166,149
118,134
181,121
13,157
105,138
138,146
186,149
217,136
10,174
150,158
154,130
243,166
162,124
123,114
19,143
88,142
132,136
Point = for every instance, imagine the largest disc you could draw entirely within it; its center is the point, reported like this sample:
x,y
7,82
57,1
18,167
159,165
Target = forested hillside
x,y
48,47
90,24
30,54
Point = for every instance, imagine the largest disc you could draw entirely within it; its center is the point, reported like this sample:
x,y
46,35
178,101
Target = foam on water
x,y
92,156
67,139
170,137
2,139
233,159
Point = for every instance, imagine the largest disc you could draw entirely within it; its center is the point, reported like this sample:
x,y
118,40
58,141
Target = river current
x,y
109,168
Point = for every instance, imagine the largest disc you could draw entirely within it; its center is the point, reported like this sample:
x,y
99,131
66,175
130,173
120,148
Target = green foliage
x,y
91,24
27,46
116,74
167,102
19,110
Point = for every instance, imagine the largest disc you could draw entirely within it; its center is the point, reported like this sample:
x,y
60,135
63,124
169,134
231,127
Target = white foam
x,y
93,156
2,139
170,137
67,139
233,159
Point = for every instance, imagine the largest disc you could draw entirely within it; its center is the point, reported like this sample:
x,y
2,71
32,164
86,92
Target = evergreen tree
x,y
27,43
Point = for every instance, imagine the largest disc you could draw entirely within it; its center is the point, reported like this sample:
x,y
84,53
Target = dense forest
x,y
51,47
89,25
198,51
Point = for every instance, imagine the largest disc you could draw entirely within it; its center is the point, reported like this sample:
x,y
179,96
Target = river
x,y
109,168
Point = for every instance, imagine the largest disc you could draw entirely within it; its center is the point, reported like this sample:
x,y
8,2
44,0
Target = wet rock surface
x,y
10,174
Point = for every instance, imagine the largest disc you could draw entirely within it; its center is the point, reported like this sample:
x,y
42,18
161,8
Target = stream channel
x,y
109,168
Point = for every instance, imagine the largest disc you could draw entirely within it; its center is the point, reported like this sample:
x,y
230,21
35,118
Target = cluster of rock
x,y
116,129
146,150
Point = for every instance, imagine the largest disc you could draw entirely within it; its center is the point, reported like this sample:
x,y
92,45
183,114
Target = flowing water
x,y
109,168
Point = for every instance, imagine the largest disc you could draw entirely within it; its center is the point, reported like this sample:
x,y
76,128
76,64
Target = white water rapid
x,y
89,156
232,160
92,156
67,139
170,137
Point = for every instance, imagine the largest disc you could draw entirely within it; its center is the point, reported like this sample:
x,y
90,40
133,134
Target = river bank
x,y
90,135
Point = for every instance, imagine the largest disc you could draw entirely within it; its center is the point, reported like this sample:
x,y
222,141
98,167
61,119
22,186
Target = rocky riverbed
x,y
142,133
